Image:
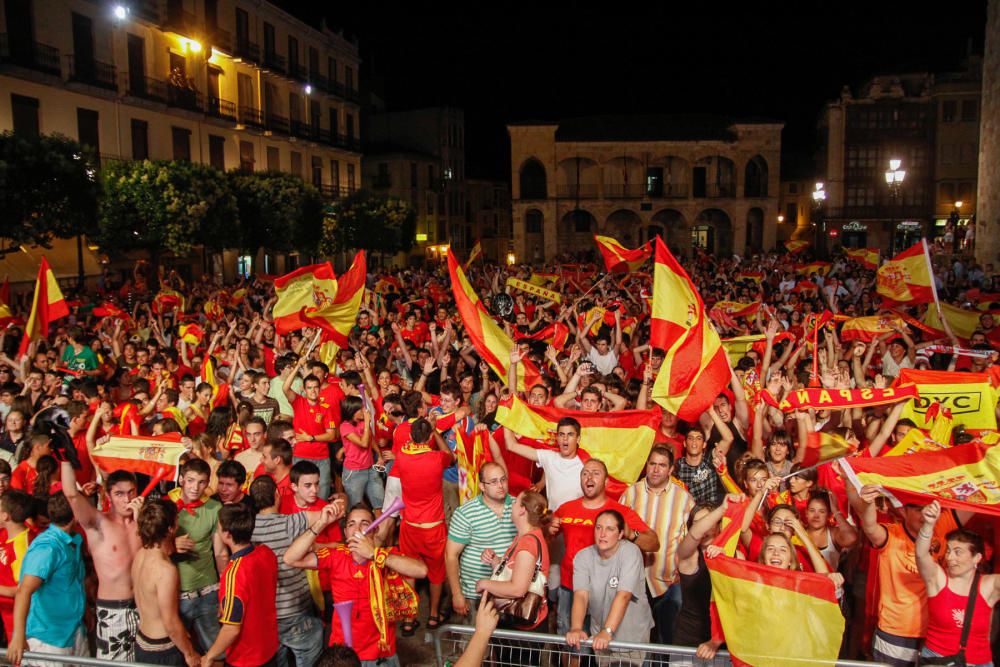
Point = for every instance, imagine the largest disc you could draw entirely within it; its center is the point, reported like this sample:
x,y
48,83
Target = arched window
x,y
533,221
533,183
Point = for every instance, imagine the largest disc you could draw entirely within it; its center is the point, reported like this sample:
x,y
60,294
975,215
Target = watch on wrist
x,y
611,633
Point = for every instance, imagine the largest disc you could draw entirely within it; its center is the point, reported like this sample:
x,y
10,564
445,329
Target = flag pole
x,y
930,271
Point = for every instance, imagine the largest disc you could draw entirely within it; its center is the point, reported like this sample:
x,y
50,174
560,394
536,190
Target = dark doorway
x,y
83,47
136,65
699,178
20,31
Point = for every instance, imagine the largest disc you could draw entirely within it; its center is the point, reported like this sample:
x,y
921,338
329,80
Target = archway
x,y
713,231
755,177
624,177
624,225
713,177
578,177
534,234
533,180
755,230
576,231
677,233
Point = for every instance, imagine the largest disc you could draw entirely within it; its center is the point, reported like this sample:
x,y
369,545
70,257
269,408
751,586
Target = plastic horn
x,y
387,512
343,610
366,401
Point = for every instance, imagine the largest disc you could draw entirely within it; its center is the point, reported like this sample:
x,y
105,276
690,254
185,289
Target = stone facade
x,y
703,180
988,206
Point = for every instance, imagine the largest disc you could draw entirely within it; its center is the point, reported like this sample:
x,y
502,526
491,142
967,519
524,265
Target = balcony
x,y
147,88
221,38
348,143
351,94
333,192
577,191
92,72
319,81
179,20
277,124
247,50
219,108
718,191
303,130
298,71
624,190
30,55
146,10
251,117
184,98
876,211
274,62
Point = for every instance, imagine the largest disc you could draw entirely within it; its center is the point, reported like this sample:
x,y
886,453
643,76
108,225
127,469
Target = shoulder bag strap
x,y
969,608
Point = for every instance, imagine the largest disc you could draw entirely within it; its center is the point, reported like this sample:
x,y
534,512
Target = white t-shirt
x,y
605,363
562,477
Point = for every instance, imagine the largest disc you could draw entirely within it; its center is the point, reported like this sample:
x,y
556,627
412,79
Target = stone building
x,y
702,180
988,197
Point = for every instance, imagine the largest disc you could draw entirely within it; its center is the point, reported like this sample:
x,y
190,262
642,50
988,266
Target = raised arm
x,y
863,504
515,447
932,574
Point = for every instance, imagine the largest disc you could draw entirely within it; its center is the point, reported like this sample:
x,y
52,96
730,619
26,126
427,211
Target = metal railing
x,y
277,123
220,108
183,98
574,190
251,116
247,50
298,71
624,190
92,72
147,88
221,38
274,61
30,55
511,648
83,661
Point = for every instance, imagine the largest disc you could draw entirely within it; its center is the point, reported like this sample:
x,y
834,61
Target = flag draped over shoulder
x,y
963,477
620,439
907,278
156,457
618,258
695,367
491,342
47,306
306,287
970,397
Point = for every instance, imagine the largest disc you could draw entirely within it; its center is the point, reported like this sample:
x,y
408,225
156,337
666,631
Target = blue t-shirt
x,y
57,606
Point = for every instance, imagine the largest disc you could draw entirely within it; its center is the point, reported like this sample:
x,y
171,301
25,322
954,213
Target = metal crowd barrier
x,y
511,648
31,657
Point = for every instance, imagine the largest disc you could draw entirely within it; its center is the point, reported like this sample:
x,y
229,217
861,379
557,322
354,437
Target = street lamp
x,y
894,179
819,198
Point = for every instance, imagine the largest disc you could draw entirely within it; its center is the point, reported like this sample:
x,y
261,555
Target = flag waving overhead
x,y
907,277
336,316
47,306
477,250
796,246
491,343
695,368
866,257
306,287
871,327
963,323
621,439
156,457
969,397
618,258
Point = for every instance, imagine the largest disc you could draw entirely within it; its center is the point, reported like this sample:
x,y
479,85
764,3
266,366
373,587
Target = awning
x,y
22,266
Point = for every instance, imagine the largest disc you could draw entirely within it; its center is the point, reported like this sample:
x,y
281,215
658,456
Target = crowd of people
x,y
270,546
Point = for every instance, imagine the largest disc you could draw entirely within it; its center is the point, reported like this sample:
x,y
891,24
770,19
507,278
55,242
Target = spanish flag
x,y
869,328
963,477
168,300
477,250
822,447
156,457
47,306
755,276
220,392
491,343
822,268
620,439
618,258
336,316
543,279
191,333
866,257
737,348
695,368
736,309
310,286
794,247
907,277
963,323
556,335
970,397
919,440
471,455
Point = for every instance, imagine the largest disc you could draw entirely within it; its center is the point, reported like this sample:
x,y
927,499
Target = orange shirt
x,y
902,604
23,477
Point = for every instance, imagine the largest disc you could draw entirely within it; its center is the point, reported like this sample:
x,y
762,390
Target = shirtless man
x,y
161,639
113,542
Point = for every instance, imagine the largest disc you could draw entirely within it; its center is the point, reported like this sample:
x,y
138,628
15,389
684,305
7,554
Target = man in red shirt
x,y
315,425
575,518
422,533
78,423
276,458
249,586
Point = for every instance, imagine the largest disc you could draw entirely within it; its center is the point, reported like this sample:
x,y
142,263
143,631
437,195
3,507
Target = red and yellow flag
x,y
821,447
168,300
491,343
963,477
963,323
755,276
866,257
556,335
812,268
907,278
477,250
191,333
336,316
47,306
620,439
307,287
794,247
970,397
737,309
695,368
156,457
618,258
470,457
869,328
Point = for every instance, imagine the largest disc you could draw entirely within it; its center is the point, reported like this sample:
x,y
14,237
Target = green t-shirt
x,y
197,568
85,360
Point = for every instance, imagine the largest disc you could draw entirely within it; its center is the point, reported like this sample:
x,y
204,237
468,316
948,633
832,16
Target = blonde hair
x,y
794,558
539,514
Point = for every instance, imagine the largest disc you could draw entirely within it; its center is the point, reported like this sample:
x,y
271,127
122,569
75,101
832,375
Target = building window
x,y
791,213
793,188
88,130
349,78
349,125
294,107
317,171
430,177
273,159
382,179
247,161
182,143
946,194
949,109
335,176
970,111
297,163
217,151
268,41
533,222
430,206
350,178
965,194
413,175
331,67
293,56
140,140
860,195
334,124
25,114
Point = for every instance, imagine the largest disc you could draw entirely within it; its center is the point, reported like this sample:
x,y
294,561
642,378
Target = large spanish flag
x,y
907,277
491,342
970,397
555,334
307,287
963,323
794,247
737,348
963,477
47,306
621,439
871,327
695,368
336,316
866,257
156,457
618,258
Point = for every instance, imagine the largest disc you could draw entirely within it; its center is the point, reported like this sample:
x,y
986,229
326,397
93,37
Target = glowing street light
x,y
120,12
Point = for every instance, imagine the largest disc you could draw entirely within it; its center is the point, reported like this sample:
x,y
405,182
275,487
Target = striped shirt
x,y
278,531
478,527
666,512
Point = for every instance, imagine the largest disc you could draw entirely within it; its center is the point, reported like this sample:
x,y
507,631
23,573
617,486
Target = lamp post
x,y
894,179
819,223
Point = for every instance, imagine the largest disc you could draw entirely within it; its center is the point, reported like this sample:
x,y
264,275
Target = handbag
x,y
958,659
527,609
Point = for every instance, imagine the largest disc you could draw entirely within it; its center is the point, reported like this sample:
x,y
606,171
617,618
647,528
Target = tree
x,y
368,221
278,211
166,206
48,188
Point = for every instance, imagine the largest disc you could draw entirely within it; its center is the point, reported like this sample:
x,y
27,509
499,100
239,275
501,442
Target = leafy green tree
x,y
277,211
368,221
48,188
166,206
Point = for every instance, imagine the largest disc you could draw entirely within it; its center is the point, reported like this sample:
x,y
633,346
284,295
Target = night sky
x,y
555,60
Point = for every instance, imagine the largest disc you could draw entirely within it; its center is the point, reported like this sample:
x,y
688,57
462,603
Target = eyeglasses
x,y
492,482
